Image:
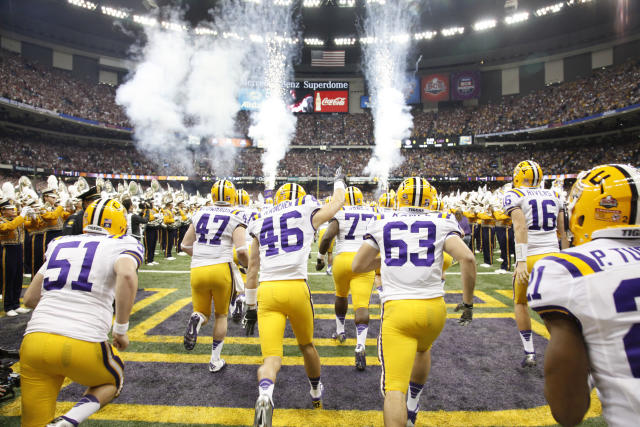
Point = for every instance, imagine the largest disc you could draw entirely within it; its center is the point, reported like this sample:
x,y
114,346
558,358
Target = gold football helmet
x,y
353,196
527,174
105,216
415,192
605,196
289,191
223,191
243,197
436,204
386,201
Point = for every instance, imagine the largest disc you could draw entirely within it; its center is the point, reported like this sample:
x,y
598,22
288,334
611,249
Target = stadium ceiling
x,y
551,27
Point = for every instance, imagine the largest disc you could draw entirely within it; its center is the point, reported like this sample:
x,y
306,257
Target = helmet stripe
x,y
96,217
536,177
351,196
633,179
294,191
221,190
419,191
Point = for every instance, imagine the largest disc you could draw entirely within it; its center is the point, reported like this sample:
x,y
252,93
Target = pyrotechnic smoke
x,y
274,124
387,41
185,86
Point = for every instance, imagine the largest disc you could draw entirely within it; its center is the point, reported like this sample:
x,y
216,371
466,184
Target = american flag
x,y
327,58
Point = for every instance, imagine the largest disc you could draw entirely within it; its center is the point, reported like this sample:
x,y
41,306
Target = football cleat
x,y
329,270
411,418
529,360
60,422
264,412
361,358
217,366
340,336
237,312
191,334
316,402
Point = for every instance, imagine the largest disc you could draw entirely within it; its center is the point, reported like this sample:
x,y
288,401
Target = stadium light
x,y
425,35
311,3
344,41
145,20
516,17
173,26
204,31
282,2
81,3
452,31
400,38
116,13
377,1
313,41
554,8
484,25
346,3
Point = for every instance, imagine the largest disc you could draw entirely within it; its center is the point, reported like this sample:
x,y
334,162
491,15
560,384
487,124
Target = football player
x,y
282,239
588,299
72,295
210,240
538,222
408,248
348,228
248,214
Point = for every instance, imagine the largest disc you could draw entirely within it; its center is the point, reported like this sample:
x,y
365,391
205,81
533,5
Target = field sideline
x,y
476,377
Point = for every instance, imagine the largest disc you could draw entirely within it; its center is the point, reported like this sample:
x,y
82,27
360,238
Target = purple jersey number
x,y
403,255
269,238
625,299
549,219
202,228
82,283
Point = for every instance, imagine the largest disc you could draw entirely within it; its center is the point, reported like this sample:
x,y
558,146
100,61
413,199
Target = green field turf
x,y
169,284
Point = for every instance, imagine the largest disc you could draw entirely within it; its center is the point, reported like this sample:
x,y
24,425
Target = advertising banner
x,y
435,87
331,101
250,98
465,85
412,91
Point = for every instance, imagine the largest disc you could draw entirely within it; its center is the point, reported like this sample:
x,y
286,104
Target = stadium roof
x,y
578,23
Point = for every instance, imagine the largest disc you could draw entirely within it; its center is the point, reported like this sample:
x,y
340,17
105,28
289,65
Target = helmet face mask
x,y
105,216
603,197
289,191
415,192
223,191
527,174
353,196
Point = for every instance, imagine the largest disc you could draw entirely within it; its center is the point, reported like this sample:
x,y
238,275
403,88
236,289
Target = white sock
x,y
82,410
527,340
265,387
361,338
202,321
339,325
216,349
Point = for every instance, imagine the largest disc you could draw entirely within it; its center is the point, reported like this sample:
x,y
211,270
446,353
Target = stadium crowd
x,y
57,90
468,161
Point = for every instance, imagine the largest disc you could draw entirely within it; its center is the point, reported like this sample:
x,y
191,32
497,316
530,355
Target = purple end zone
x,y
474,368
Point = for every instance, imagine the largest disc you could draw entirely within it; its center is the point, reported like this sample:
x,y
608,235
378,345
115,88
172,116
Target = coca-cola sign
x,y
331,101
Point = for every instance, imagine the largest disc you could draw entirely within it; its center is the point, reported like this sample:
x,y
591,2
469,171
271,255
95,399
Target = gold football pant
x,y
407,326
211,282
46,359
519,288
360,284
278,301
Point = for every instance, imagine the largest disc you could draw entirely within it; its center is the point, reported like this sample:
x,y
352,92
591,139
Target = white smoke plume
x,y
387,41
184,87
273,126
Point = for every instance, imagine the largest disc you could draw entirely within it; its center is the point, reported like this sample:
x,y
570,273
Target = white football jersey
x,y
598,284
285,234
411,245
214,227
79,285
541,209
352,226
